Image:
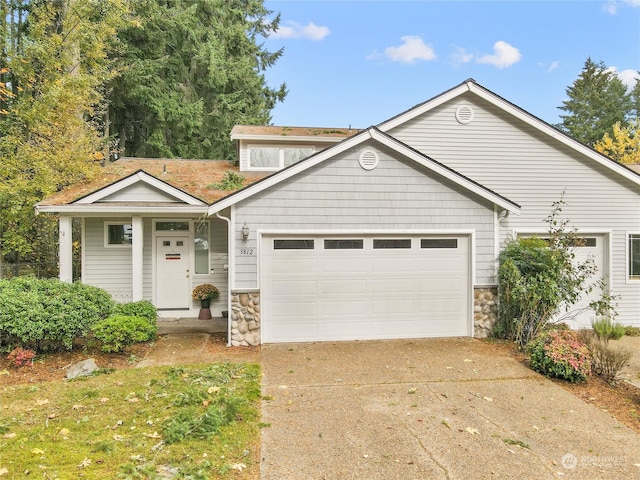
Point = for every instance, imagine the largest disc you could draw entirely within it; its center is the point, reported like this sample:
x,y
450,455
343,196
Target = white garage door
x,y
328,288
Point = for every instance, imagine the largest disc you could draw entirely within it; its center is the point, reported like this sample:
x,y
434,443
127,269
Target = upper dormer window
x,y
275,157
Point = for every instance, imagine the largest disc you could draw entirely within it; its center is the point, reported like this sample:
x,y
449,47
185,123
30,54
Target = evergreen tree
x,y
597,100
190,70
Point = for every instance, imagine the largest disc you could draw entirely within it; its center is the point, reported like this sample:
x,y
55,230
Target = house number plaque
x,y
247,252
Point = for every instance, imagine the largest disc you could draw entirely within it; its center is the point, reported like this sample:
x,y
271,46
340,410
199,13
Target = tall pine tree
x,y
597,100
190,70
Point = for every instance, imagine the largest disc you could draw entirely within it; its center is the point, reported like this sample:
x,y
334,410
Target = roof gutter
x,y
230,273
120,209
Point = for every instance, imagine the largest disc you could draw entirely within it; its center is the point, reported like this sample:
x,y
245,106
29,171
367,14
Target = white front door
x,y
172,272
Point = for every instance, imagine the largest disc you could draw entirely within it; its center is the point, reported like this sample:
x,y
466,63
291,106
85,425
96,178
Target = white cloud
x,y
611,6
411,50
310,31
504,55
555,64
628,77
461,56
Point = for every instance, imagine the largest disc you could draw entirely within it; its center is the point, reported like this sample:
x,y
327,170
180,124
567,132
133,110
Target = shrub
x,y
142,309
606,361
119,331
19,357
230,181
560,354
632,331
607,330
48,314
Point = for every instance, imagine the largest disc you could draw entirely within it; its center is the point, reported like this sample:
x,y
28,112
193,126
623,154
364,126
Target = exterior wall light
x,y
245,232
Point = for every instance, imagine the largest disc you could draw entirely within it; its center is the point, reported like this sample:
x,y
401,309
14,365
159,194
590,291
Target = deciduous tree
x,y
50,134
624,145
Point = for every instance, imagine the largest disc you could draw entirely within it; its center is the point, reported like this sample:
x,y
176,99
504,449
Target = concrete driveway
x,y
429,409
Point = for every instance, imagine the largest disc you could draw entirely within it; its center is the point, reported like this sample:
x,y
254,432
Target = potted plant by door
x,y
205,293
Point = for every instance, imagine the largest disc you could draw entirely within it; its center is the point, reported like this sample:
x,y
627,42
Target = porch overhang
x,y
101,210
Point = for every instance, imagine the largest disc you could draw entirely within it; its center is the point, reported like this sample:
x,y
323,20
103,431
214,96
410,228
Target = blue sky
x,y
359,62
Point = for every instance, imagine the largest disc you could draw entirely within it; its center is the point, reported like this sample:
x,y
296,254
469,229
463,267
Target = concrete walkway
x,y
429,409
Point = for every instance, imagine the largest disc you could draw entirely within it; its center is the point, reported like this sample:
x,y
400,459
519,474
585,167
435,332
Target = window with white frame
x,y
201,245
117,234
634,256
262,157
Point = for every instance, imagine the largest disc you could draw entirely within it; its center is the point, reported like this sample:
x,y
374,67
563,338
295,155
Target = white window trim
x,y
106,234
627,258
196,274
281,149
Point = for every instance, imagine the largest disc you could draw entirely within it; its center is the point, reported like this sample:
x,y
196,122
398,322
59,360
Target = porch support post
x,y
65,249
137,251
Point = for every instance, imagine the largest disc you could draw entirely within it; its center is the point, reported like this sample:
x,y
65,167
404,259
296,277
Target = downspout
x,y
229,274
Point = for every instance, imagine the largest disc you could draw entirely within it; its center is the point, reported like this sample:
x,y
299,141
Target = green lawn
x,y
195,422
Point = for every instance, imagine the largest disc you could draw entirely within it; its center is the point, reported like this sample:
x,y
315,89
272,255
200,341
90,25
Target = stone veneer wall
x,y
485,310
245,315
245,319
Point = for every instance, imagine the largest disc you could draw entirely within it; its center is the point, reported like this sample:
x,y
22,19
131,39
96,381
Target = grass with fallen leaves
x,y
196,422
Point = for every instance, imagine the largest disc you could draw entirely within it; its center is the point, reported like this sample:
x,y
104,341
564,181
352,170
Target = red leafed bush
x,y
560,354
20,357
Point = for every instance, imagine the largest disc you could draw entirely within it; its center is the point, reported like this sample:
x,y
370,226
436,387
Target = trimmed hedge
x,y
48,314
142,309
119,331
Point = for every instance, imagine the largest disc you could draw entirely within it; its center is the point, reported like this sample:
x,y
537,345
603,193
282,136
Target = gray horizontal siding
x,y
139,192
110,268
339,195
534,170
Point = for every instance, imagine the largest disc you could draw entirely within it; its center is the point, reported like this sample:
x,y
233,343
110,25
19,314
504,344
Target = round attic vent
x,y
464,114
368,160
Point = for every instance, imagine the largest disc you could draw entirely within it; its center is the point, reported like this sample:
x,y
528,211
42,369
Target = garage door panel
x,y
292,265
392,307
393,285
348,286
355,266
444,283
441,308
441,264
343,307
347,330
297,332
295,287
333,294
392,264
292,310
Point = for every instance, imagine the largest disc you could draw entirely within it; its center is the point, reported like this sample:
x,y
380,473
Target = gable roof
x,y
372,133
298,134
472,86
184,180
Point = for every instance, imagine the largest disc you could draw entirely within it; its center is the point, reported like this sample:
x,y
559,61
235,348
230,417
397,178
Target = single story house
x,y
338,234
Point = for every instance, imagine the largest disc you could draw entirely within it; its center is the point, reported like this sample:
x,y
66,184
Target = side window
x,y
117,234
263,157
201,240
634,256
